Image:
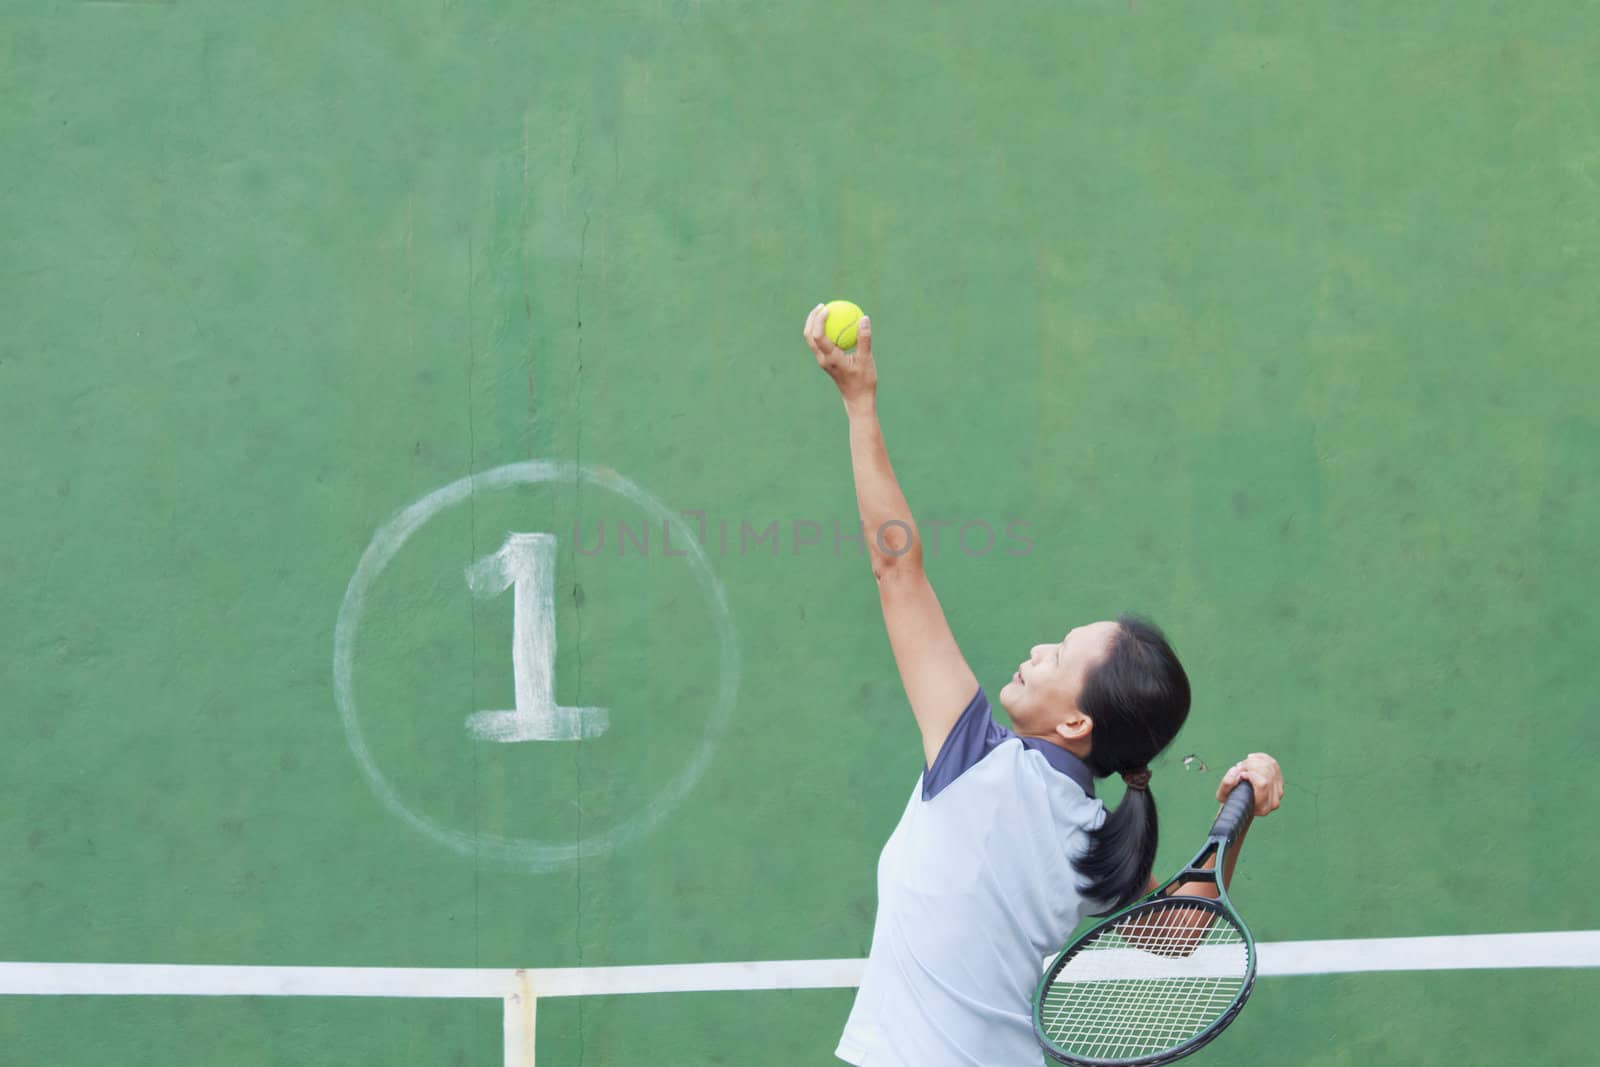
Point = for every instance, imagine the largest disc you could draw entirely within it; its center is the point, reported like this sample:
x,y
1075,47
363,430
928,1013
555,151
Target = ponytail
x,y
1138,699
1122,852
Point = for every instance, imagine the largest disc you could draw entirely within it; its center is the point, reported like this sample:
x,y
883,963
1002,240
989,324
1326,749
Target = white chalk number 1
x,y
526,565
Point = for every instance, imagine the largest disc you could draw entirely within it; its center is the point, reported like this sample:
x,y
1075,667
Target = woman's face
x,y
1045,689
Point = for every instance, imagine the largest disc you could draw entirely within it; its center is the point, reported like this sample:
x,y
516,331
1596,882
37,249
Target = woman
x,y
1003,847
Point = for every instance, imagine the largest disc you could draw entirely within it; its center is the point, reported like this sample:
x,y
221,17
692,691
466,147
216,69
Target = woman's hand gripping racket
x,y
1160,978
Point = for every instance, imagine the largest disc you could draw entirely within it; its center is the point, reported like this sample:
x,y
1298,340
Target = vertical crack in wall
x,y
527,310
411,287
472,554
577,603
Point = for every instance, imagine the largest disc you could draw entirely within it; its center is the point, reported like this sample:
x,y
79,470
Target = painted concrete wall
x,y
1275,322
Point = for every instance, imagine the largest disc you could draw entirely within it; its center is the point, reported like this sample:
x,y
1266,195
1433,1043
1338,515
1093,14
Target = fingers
x,y
1268,779
816,336
1264,776
1229,780
812,331
864,338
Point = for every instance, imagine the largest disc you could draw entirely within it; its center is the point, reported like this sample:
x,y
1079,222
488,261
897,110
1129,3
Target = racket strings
x,y
1151,982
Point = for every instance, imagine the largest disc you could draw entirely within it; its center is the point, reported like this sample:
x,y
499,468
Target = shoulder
x,y
974,735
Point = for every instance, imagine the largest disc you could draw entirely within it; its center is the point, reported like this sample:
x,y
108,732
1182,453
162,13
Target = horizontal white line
x,y
1570,948
1576,948
180,980
697,977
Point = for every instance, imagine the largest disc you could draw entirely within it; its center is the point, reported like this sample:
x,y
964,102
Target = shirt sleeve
x,y
973,736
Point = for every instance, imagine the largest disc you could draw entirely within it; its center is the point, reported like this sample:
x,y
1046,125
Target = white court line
x,y
180,980
1571,948
520,990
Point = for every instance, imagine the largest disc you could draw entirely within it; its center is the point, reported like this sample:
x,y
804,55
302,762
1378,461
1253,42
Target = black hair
x,y
1138,699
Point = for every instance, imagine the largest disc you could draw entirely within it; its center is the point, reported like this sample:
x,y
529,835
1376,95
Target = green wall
x,y
1275,322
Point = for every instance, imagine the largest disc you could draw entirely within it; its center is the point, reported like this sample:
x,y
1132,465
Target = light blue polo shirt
x,y
975,888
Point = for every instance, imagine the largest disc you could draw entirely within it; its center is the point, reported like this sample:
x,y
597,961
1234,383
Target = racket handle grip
x,y
1235,811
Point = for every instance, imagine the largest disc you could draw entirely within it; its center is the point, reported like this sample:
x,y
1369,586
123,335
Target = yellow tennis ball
x,y
840,326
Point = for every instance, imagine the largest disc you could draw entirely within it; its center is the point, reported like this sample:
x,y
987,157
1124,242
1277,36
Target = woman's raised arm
x,y
937,680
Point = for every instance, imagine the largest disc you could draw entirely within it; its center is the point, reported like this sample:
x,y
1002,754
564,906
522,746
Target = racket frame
x,y
1236,812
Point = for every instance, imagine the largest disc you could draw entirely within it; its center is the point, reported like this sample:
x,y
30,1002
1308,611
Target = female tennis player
x,y
1002,848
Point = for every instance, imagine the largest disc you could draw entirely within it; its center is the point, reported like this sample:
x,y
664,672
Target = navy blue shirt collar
x,y
975,734
1063,761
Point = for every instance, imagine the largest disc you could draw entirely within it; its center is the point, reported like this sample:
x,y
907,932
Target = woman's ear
x,y
1076,727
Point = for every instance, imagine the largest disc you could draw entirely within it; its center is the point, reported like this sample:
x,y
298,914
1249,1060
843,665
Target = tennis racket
x,y
1161,977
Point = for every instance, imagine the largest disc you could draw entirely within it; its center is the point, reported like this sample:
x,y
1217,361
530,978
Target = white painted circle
x,y
387,542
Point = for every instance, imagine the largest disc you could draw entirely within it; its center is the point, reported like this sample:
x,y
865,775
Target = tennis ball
x,y
840,326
